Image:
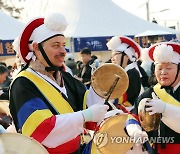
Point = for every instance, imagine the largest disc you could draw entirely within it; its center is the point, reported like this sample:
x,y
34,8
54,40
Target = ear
x,y
35,48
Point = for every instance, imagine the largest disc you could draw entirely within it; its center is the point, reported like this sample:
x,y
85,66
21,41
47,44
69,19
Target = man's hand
x,y
1,92
95,113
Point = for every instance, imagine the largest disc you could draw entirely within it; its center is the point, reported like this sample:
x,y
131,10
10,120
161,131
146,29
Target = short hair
x,y
3,63
3,69
86,51
9,67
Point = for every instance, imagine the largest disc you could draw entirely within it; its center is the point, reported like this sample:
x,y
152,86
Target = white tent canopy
x,y
90,18
152,33
93,18
10,27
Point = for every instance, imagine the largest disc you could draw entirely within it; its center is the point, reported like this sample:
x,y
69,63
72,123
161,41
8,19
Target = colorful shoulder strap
x,y
50,93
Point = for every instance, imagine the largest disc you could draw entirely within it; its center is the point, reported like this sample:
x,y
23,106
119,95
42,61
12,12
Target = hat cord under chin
x,y
52,67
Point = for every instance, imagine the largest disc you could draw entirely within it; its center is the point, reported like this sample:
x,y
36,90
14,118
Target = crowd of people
x,y
51,98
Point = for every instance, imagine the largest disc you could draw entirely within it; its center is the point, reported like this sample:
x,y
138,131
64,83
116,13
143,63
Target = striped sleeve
x,y
35,119
132,125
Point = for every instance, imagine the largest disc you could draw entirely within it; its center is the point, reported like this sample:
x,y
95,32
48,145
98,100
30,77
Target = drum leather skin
x,y
103,78
148,122
111,137
14,143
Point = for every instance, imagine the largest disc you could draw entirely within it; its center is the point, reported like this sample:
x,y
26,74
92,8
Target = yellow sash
x,y
164,96
50,93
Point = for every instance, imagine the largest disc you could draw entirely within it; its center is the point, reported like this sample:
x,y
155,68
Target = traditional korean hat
x,y
126,45
165,52
39,30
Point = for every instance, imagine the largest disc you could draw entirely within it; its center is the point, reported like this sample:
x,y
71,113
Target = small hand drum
x,y
103,78
111,137
14,143
148,122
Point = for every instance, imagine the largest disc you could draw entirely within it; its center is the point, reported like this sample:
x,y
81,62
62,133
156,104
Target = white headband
x,y
164,53
116,45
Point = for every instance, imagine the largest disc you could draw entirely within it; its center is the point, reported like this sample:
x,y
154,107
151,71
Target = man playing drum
x,y
163,98
46,102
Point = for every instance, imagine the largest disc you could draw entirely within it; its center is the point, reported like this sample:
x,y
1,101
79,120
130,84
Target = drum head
x,y
4,107
14,143
111,137
103,78
148,122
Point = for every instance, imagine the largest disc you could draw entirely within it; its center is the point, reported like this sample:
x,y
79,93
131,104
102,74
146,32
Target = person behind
x,y
164,98
125,52
154,21
18,65
144,76
4,91
85,73
70,62
146,61
6,83
46,102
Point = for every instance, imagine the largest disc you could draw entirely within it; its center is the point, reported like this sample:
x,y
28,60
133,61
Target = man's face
x,y
3,77
55,51
85,58
165,73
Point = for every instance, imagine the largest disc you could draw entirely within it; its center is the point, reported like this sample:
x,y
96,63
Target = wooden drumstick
x,y
108,94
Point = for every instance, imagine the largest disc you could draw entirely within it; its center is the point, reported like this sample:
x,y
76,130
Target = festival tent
x,y
152,33
92,22
10,28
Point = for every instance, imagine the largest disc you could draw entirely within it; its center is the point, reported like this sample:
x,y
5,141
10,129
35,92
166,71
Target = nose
x,y
63,50
163,71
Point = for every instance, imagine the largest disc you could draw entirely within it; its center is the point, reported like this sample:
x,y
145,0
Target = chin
x,y
164,84
58,64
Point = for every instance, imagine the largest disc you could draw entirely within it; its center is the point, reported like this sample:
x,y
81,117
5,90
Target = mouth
x,y
164,79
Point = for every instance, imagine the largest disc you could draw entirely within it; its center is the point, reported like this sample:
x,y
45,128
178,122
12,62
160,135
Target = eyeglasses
x,y
116,53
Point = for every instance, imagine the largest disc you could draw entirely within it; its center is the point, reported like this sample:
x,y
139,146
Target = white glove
x,y
156,105
95,113
140,137
2,129
113,113
1,92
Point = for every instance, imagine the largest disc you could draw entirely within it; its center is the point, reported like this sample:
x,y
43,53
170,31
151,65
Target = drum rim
x,y
5,135
113,65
